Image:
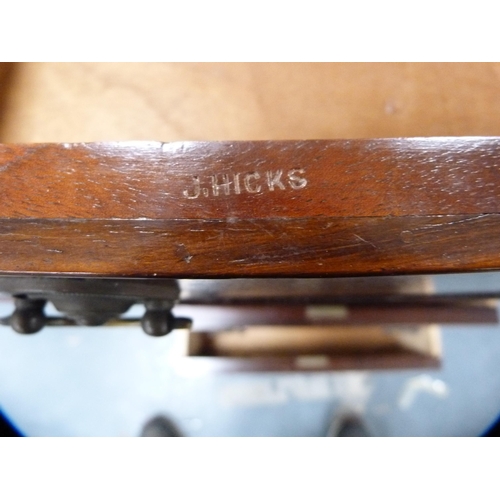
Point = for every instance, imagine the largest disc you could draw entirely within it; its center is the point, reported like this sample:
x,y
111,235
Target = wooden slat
x,y
262,291
251,209
251,180
207,318
313,348
300,247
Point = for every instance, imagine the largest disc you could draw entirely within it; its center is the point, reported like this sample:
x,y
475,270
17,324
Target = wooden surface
x,y
109,210
248,209
244,180
210,318
83,102
313,348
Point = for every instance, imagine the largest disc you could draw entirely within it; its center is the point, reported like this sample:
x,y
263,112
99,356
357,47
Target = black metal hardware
x,y
91,302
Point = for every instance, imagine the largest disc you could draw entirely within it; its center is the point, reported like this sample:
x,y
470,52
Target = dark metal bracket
x,y
91,302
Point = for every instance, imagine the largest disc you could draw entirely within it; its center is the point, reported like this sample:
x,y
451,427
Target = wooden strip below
x,y
251,248
212,318
312,348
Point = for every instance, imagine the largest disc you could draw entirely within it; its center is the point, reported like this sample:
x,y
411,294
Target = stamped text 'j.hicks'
x,y
252,182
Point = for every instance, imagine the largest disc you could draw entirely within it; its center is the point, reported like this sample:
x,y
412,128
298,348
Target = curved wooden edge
x,y
258,248
251,209
259,179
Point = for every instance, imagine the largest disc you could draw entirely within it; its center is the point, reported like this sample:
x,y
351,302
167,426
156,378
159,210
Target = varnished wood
x,y
251,209
208,318
7,77
282,179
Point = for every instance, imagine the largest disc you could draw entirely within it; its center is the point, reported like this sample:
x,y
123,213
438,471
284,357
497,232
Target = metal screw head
x,y
157,323
28,316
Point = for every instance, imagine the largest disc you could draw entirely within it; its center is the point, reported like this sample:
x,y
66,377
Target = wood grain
x,y
7,77
224,180
84,102
251,209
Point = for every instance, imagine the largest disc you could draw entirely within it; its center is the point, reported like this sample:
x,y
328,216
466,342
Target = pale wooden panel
x,y
309,348
165,101
254,341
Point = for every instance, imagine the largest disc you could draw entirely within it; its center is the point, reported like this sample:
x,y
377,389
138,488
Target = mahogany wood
x,y
251,209
211,318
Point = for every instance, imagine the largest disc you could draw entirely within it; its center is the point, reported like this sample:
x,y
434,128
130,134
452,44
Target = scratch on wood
x,y
362,239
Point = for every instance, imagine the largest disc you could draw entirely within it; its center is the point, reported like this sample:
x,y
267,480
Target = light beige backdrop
x,y
46,102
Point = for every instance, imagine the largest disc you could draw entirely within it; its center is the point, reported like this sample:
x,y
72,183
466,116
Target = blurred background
x,y
93,382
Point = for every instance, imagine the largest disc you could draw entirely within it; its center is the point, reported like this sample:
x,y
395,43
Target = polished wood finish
x,y
252,180
7,77
101,210
251,209
101,102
